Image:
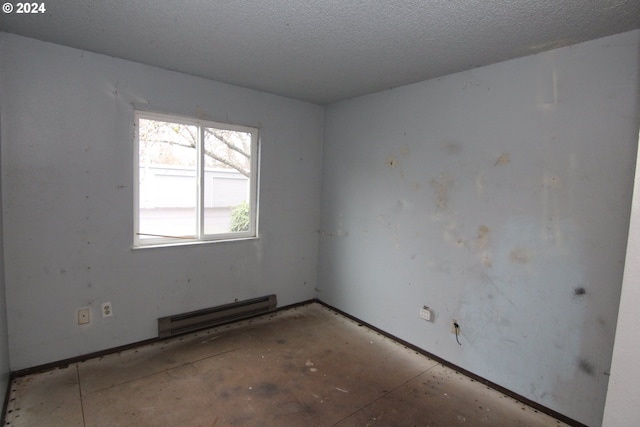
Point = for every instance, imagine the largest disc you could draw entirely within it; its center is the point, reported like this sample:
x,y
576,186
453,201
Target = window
x,y
195,180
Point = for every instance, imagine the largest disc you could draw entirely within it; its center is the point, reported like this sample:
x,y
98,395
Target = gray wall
x,y
4,342
68,201
499,197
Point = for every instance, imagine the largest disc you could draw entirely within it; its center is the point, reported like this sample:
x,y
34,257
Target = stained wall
x,y
67,178
499,197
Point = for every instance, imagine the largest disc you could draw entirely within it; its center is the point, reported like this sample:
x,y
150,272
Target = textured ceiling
x,y
322,50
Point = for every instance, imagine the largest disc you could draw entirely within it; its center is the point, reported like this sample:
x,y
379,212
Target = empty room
x,y
320,213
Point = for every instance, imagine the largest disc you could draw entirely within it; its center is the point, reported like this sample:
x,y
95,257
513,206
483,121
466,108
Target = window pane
x,y
227,178
167,180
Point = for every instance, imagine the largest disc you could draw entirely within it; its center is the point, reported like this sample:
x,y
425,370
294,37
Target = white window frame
x,y
200,237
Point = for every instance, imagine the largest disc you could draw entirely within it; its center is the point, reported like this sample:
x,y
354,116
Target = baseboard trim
x,y
460,370
6,402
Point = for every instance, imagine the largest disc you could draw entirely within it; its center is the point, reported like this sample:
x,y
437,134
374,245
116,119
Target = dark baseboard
x,y
61,364
462,371
6,401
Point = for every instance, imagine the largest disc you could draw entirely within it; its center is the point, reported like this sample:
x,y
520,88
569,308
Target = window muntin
x,y
195,180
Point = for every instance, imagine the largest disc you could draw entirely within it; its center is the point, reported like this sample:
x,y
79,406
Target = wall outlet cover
x,y
107,310
84,316
425,313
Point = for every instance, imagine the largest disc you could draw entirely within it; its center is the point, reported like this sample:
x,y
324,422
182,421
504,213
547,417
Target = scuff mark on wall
x,y
392,161
489,280
504,159
338,233
579,291
586,367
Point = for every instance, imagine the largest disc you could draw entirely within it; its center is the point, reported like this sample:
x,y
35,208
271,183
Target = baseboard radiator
x,y
214,316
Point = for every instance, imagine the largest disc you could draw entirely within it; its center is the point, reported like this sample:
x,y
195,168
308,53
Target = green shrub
x,y
240,217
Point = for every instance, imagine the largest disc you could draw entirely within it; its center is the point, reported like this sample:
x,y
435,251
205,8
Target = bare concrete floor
x,y
306,366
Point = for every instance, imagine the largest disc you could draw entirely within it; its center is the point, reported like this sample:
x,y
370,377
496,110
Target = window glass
x,y
195,180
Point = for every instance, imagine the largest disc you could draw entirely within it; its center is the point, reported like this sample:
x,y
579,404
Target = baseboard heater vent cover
x,y
209,317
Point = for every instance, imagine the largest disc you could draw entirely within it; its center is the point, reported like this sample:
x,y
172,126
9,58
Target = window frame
x,y
199,237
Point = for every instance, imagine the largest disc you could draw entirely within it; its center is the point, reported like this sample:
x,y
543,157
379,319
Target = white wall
x,y
67,175
622,409
499,197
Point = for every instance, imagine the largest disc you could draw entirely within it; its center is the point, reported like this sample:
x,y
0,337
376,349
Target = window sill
x,y
192,243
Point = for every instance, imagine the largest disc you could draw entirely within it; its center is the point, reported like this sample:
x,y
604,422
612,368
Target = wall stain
x,y
441,185
338,233
551,182
486,259
392,162
579,291
520,256
504,159
586,367
200,113
483,237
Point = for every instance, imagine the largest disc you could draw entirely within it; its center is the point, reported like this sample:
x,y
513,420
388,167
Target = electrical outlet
x,y
107,310
425,313
83,316
454,329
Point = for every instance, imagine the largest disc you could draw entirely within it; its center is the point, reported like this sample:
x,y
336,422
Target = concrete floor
x,y
305,366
